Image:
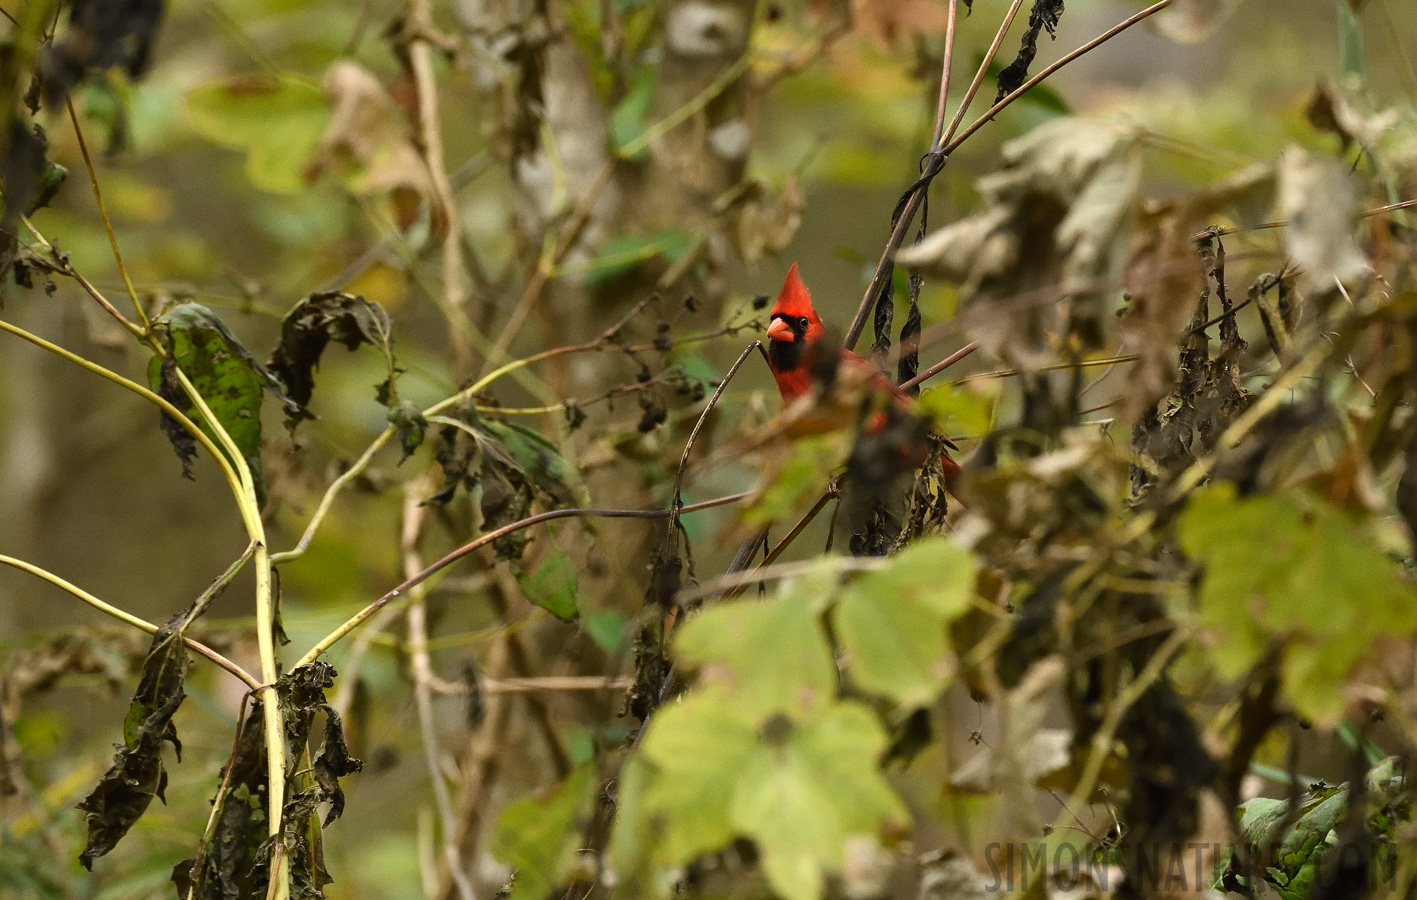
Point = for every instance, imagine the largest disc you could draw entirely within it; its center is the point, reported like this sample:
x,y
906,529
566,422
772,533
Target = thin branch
x,y
941,366
945,74
358,618
979,75
1281,223
420,63
1033,82
103,214
417,618
677,502
128,618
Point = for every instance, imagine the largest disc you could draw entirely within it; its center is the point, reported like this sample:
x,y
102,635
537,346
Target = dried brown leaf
x,y
1051,233
1193,21
1319,200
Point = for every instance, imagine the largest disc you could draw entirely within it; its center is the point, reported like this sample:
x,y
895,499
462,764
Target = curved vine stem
x,y
128,618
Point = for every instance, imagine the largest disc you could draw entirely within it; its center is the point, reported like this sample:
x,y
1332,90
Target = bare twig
x,y
941,366
485,539
422,669
420,63
128,618
1033,82
677,502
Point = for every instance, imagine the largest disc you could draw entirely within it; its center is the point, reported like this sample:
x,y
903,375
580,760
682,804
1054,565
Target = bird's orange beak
x,y
779,330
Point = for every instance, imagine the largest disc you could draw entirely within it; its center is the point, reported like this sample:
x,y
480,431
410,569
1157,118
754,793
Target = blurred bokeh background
x,y
223,200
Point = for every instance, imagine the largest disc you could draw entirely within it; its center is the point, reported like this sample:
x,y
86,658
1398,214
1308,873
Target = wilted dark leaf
x,y
504,467
1044,15
309,327
223,869
137,775
302,696
409,426
102,34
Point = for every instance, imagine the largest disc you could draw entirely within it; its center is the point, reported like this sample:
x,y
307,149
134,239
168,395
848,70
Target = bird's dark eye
x,y
802,320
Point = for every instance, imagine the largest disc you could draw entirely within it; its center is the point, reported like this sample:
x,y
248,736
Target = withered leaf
x,y
301,695
1319,200
223,868
1044,15
1193,21
368,143
137,775
409,425
503,467
309,327
102,34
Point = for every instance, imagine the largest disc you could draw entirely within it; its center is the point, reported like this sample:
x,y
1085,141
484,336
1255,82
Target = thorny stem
x,y
483,540
128,618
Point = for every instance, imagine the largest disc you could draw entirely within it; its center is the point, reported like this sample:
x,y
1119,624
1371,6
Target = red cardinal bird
x,y
794,335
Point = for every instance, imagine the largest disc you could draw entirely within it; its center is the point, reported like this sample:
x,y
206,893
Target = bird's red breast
x,y
794,334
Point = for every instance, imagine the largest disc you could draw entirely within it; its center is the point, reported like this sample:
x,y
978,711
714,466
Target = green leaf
x,y
813,461
956,409
540,835
891,622
773,653
698,748
1305,573
553,585
708,773
801,801
627,252
540,459
630,117
229,379
607,629
277,121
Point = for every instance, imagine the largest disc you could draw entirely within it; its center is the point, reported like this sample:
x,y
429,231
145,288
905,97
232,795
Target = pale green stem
x,y
127,617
